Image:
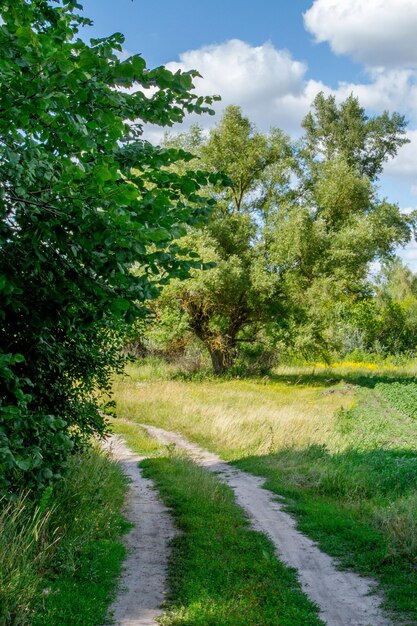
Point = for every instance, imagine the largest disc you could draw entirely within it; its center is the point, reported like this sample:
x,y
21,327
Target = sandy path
x,y
343,597
143,582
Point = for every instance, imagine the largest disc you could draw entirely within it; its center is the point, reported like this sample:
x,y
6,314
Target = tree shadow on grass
x,y
351,474
322,377
329,378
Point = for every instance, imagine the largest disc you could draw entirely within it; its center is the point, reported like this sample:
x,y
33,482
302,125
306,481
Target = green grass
x,y
136,438
339,443
220,571
60,559
401,394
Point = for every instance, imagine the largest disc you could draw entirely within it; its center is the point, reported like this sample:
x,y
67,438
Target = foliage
x,y
293,238
385,320
400,394
82,199
345,132
328,238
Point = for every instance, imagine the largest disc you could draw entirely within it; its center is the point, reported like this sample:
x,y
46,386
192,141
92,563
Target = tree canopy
x,y
238,292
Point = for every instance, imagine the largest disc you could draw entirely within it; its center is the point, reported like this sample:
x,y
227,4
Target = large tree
x,y
82,199
226,304
294,233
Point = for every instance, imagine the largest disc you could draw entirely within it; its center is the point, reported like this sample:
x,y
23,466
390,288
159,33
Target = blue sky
x,y
271,57
161,30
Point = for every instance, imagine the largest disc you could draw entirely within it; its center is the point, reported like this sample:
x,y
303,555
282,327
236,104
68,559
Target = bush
x,y
82,200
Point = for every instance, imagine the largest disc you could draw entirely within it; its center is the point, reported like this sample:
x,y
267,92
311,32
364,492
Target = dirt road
x,y
344,598
143,582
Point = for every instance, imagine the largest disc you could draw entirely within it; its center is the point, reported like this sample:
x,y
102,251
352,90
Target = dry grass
x,y
236,417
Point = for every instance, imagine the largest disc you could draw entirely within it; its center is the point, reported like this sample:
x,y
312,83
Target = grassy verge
x,y
60,558
339,444
221,572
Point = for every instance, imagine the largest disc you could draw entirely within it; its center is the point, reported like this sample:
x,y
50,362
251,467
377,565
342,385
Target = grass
x,y
24,551
234,417
60,559
372,532
220,571
331,440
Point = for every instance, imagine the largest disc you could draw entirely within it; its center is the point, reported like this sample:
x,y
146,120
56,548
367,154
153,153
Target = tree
x,y
347,133
337,225
226,303
395,305
82,199
293,234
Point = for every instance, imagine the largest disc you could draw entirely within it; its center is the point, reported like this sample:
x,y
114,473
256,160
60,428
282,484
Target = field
x,y
338,443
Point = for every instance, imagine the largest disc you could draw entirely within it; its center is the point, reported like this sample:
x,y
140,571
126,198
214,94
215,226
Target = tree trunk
x,y
222,358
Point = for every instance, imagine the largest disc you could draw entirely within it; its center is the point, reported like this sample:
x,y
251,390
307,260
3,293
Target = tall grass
x,y
293,408
25,548
237,417
43,545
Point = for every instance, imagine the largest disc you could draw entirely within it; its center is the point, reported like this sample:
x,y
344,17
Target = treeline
x,y
288,250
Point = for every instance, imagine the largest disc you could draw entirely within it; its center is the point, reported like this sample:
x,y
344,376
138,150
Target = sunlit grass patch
x,y
357,365
234,417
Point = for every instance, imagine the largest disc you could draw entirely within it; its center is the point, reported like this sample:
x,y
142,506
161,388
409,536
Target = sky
x,y
271,57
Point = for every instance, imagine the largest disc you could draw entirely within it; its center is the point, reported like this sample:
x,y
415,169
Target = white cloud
x,y
404,166
266,82
241,71
393,89
272,90
373,32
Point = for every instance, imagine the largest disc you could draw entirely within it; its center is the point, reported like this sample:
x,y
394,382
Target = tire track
x,y
143,581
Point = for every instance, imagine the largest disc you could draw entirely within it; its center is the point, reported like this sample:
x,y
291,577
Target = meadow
x,y
338,443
